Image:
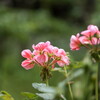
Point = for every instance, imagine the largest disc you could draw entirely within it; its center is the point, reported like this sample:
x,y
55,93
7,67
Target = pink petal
x,y
49,49
27,64
41,46
26,53
74,42
86,33
61,63
94,29
41,59
94,41
84,40
61,52
64,61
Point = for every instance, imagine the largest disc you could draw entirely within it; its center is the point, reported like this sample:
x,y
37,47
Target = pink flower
x,y
95,41
26,53
41,46
45,55
27,64
87,33
93,29
75,42
41,59
64,61
61,52
55,50
89,37
49,49
60,57
84,40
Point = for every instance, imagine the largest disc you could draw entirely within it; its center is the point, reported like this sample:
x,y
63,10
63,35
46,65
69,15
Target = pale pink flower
x,y
87,33
49,49
26,53
60,57
45,55
91,30
41,46
61,52
84,40
41,59
95,41
94,29
89,37
75,42
55,50
63,61
27,64
92,41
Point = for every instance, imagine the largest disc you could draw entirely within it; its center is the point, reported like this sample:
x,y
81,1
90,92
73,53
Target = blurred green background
x,y
27,22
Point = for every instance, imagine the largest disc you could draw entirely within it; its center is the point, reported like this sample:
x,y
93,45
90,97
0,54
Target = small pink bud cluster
x,y
45,55
89,37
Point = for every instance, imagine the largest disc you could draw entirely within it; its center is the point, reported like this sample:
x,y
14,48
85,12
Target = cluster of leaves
x,y
5,96
46,92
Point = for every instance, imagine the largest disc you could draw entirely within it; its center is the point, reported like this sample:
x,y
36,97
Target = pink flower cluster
x,y
89,37
45,55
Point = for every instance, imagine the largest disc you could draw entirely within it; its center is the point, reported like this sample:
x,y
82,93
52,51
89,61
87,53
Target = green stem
x,y
47,76
69,86
47,82
97,82
87,47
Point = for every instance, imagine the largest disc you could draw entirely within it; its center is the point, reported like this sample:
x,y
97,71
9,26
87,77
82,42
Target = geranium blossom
x,y
28,63
75,42
44,54
86,38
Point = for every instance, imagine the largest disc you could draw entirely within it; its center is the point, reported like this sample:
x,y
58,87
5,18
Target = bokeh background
x,y
27,22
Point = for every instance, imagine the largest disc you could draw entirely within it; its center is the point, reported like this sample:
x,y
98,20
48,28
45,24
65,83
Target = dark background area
x,y
27,22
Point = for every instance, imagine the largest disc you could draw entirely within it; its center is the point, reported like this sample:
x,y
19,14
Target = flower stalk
x,y
97,80
45,75
69,86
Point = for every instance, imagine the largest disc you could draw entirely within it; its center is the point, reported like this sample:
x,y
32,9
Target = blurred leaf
x,y
58,69
46,96
63,97
43,88
72,76
30,96
87,60
5,96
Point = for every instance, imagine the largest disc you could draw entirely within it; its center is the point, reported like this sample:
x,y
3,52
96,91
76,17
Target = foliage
x,y
5,96
29,96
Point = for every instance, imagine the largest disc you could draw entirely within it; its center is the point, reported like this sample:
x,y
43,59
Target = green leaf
x,y
43,88
73,76
63,97
5,96
29,95
56,69
38,85
46,96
